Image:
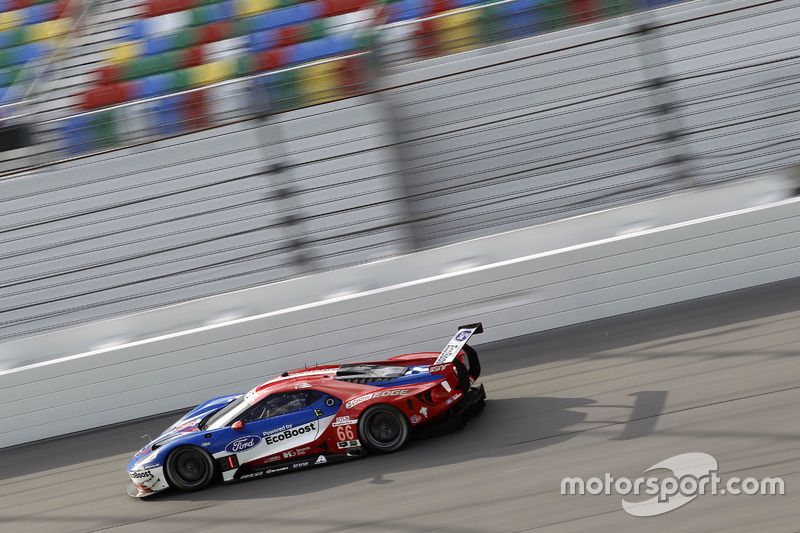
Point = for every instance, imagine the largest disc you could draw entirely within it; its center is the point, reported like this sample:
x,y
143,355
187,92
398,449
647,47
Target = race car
x,y
314,416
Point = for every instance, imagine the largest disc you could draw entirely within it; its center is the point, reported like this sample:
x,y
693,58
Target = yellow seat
x,y
10,19
46,30
211,72
124,52
320,83
459,31
245,8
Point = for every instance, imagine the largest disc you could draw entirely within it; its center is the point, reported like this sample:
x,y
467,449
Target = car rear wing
x,y
458,342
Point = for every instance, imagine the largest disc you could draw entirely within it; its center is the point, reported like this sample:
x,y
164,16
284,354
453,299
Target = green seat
x,y
554,14
187,38
287,90
242,26
104,130
245,65
614,8
180,80
315,29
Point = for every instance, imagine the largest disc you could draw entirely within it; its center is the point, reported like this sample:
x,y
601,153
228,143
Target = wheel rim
x,y
190,467
384,429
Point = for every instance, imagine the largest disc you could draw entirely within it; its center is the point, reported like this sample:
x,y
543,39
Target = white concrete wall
x,y
546,290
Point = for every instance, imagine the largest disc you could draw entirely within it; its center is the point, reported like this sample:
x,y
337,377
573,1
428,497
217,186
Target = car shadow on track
x,y
507,427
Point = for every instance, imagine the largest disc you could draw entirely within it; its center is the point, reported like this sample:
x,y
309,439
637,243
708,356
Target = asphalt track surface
x,y
718,375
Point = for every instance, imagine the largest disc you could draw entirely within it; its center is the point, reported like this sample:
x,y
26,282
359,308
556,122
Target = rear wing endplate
x,y
458,341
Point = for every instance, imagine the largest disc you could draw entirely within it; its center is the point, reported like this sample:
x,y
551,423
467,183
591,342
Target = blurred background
x,y
168,150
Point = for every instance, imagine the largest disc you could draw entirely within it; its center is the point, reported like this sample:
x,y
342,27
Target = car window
x,y
281,404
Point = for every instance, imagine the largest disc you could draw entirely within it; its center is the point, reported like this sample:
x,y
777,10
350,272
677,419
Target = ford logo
x,y
243,444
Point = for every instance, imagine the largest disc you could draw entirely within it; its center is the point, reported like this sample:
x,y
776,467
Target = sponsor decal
x,y
379,394
344,421
318,412
423,411
242,444
282,428
140,475
449,352
453,347
302,386
321,459
289,433
453,398
250,396
415,419
185,425
295,453
206,444
438,368
348,444
276,470
254,474
301,465
272,458
464,335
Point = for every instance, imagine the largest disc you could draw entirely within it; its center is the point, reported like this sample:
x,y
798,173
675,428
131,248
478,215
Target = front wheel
x,y
383,428
189,468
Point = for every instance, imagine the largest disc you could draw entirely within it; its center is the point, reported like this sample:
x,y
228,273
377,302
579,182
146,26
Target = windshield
x,y
227,415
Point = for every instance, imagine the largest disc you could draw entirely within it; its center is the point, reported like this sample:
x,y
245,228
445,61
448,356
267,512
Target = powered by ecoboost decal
x,y
305,431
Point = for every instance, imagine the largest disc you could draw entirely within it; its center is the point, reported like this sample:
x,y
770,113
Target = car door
x,y
279,422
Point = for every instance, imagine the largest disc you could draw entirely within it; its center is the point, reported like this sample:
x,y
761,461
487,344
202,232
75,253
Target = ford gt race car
x,y
314,416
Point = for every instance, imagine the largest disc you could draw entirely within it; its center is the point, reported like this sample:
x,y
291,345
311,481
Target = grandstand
x,y
82,76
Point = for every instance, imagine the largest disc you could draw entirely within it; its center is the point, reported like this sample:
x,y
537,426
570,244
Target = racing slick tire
x,y
383,429
189,468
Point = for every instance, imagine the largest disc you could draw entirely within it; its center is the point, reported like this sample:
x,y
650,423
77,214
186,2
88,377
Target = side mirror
x,y
237,426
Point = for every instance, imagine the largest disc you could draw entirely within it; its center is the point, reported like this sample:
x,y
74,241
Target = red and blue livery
x,y
314,416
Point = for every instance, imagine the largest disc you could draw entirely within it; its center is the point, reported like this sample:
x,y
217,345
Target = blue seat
x,y
157,84
27,52
5,39
228,9
261,41
217,13
158,45
411,9
455,4
336,45
520,19
259,22
135,31
312,10
41,13
167,115
286,16
305,52
76,134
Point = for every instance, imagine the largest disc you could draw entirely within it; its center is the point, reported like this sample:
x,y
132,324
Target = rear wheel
x,y
383,428
189,468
